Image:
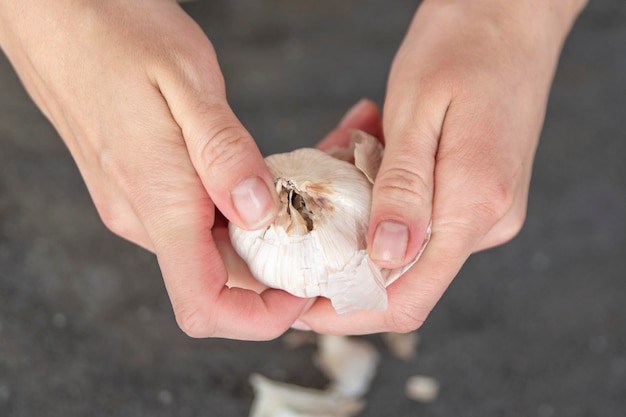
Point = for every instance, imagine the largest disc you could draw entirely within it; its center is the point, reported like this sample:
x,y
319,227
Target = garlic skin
x,y
317,245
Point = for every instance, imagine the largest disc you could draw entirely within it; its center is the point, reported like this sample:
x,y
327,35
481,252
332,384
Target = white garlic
x,y
317,245
278,399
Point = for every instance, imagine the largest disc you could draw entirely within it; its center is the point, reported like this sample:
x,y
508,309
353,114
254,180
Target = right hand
x,y
464,107
135,91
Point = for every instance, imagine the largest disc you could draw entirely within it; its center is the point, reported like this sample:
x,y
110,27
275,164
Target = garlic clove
x,y
278,399
350,364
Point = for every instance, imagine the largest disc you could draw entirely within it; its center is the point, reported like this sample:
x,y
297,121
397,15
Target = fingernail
x,y
390,242
353,113
253,202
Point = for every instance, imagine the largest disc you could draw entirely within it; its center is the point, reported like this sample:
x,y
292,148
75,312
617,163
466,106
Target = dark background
x,y
533,328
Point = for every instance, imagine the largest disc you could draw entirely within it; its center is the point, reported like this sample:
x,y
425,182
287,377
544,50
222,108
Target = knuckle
x,y
517,220
496,201
510,226
399,185
225,148
115,216
116,168
108,161
195,322
491,211
403,320
115,222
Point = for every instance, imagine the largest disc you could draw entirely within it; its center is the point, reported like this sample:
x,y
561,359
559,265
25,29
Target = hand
x,y
465,104
135,90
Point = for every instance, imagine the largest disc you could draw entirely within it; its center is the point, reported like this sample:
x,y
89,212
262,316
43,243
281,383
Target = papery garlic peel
x,y
317,246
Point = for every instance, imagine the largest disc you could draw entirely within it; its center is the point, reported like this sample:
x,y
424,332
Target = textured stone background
x,y
534,328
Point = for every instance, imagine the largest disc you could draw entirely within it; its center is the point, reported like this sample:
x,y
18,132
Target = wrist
x,y
558,15
532,27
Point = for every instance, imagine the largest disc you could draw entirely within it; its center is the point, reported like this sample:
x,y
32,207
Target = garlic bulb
x,y
317,245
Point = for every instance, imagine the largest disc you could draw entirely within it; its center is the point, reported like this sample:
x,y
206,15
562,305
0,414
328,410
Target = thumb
x,y
223,152
231,167
403,189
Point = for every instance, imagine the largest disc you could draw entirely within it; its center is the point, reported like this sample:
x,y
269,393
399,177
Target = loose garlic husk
x,y
317,245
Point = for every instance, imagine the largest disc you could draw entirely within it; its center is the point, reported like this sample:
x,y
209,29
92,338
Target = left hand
x,y
135,90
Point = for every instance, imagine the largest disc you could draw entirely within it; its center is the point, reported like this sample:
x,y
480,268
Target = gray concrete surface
x,y
534,328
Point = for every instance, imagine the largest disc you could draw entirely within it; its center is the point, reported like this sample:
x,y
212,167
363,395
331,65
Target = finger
x,y
475,188
511,223
364,115
403,189
195,278
411,298
222,151
459,225
178,215
239,274
461,218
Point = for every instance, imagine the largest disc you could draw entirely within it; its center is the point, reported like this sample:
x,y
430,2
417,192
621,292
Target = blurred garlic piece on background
x,y
278,399
402,345
349,363
317,245
421,388
298,338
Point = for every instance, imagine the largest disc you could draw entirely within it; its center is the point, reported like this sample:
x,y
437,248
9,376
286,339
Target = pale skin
x,y
135,90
